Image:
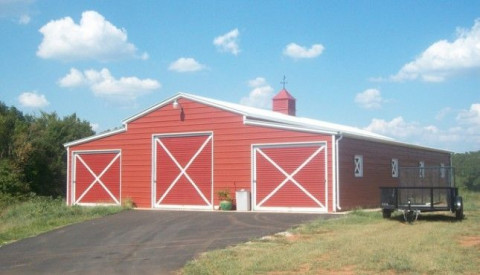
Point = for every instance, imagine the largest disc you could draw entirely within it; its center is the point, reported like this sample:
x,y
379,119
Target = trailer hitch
x,y
410,215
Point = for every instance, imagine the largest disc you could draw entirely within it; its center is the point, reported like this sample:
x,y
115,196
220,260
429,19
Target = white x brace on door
x,y
96,177
290,177
182,171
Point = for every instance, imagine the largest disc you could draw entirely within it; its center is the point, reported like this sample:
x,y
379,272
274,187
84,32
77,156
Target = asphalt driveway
x,y
139,242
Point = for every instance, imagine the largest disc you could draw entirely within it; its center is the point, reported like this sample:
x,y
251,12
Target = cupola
x,y
284,103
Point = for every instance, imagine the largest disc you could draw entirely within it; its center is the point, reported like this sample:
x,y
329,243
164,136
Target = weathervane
x,y
284,81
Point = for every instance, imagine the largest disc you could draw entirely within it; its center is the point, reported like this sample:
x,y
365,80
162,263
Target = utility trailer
x,y
422,189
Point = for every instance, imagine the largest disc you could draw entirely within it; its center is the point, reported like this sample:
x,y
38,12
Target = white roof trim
x,y
94,137
153,108
285,127
300,123
265,118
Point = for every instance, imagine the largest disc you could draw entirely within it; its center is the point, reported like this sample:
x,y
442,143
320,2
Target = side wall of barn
x,y
232,147
363,191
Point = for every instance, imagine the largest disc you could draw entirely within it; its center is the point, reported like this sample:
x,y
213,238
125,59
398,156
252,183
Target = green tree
x,y
46,165
12,125
467,170
10,119
32,156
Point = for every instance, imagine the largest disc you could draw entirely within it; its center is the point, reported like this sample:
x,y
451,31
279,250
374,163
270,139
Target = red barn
x,y
179,153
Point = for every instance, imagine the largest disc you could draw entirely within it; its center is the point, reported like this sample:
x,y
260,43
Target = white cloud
x,y
261,94
103,84
443,113
95,126
463,135
33,100
73,79
228,42
369,99
444,59
24,19
397,127
93,38
469,123
186,64
16,10
470,117
144,56
296,51
257,82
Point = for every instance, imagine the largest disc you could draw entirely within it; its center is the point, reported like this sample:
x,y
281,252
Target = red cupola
x,y
284,103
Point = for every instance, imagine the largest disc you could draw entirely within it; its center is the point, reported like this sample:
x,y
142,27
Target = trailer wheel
x,y
386,213
458,208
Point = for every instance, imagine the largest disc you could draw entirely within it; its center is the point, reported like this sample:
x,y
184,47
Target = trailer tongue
x,y
422,189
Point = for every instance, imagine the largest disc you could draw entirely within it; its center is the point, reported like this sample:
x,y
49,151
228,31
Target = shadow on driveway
x,y
140,242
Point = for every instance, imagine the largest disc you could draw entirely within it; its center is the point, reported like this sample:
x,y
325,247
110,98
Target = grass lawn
x,y
359,243
36,215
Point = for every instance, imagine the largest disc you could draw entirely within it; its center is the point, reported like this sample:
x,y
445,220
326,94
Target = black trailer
x,y
422,189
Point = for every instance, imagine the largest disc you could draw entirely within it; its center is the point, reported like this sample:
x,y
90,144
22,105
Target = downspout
x,y
67,194
334,178
337,171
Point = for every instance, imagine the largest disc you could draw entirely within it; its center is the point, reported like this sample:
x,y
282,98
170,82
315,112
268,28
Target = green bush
x,y
11,181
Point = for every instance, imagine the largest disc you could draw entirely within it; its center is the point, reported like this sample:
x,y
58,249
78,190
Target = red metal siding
x,y
377,169
232,141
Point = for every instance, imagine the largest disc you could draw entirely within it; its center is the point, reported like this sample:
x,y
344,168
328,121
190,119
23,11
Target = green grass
x,y
361,242
22,219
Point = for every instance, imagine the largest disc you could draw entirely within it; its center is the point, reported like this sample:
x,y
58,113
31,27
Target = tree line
x,y
34,161
32,156
467,170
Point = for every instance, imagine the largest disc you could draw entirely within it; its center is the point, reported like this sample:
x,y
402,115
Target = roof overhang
x,y
95,137
263,118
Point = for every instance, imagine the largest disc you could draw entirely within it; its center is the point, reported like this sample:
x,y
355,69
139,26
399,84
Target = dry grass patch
x,y
470,241
359,243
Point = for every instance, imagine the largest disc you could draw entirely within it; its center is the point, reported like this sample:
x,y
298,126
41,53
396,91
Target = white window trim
x,y
394,168
421,170
358,166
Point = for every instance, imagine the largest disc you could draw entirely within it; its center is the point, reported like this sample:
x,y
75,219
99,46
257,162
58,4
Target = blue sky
x,y
405,69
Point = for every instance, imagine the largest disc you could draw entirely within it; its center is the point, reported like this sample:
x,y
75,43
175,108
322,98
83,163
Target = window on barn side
x,y
421,170
442,170
394,168
358,162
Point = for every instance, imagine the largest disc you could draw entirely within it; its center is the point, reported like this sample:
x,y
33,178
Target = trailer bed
x,y
422,190
424,199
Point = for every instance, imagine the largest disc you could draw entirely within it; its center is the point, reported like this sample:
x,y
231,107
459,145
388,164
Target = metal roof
x,y
266,118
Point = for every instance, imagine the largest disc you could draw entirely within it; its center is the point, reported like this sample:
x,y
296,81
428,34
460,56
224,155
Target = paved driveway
x,y
139,242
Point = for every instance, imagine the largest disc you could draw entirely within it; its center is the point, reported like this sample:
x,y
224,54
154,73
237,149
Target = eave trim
x,y
95,137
